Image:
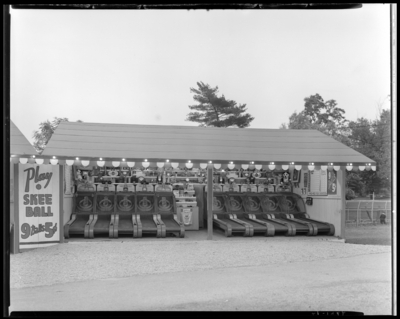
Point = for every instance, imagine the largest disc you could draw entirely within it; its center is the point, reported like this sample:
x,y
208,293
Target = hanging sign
x,y
317,182
332,182
295,175
39,220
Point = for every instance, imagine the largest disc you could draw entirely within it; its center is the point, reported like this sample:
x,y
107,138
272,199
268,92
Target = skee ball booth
x,y
116,180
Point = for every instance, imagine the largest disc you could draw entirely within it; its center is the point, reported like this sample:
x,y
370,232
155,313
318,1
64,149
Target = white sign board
x,y
39,215
317,183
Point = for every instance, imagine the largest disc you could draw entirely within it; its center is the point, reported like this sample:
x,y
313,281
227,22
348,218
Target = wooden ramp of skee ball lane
x,y
146,215
237,204
270,210
224,220
295,206
82,215
124,219
166,213
302,227
103,222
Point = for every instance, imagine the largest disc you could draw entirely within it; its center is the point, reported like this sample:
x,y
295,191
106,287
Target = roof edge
x,y
184,126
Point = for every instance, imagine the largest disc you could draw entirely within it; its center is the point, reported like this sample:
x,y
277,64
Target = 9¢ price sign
x,y
38,205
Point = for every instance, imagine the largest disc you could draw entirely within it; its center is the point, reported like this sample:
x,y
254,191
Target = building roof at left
x,y
19,144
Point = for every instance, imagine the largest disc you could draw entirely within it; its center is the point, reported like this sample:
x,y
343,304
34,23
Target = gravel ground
x,y
80,260
369,234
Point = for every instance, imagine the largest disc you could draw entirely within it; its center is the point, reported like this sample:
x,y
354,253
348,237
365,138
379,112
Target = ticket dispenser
x,y
186,207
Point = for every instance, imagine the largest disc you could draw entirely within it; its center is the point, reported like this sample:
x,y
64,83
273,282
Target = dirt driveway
x,y
263,274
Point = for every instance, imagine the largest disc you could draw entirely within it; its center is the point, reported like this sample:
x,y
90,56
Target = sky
x,y
137,66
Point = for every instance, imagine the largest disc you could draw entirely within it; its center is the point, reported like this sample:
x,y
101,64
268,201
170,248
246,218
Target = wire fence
x,y
360,212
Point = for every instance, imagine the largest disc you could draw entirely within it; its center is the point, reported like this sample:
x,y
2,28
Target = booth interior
x,y
161,200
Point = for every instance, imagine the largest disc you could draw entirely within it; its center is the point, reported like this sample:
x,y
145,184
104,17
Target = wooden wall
x,y
326,208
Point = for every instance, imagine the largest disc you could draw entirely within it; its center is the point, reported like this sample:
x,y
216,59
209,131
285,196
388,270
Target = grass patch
x,y
369,234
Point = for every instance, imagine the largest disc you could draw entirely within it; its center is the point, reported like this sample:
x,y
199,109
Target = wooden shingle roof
x,y
198,144
19,144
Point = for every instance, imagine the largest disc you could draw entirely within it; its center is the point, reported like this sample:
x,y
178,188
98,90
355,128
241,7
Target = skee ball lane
x,y
109,213
295,209
249,214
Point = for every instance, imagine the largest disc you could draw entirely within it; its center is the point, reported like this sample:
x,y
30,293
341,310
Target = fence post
x,y
372,209
386,210
358,210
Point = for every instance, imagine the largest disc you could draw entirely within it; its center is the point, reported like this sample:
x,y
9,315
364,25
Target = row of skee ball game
x,y
109,202
264,204
118,202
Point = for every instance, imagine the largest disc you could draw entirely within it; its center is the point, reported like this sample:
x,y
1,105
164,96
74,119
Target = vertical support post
x,y
357,213
210,195
343,200
61,204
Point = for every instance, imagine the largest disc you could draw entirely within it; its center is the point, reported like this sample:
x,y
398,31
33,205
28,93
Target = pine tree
x,y
217,111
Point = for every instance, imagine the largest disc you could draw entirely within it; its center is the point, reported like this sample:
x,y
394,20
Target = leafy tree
x,y
46,130
355,182
325,117
373,139
217,111
321,112
350,194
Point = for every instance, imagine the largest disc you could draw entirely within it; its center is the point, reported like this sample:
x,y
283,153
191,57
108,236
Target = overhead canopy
x,y
19,145
157,143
